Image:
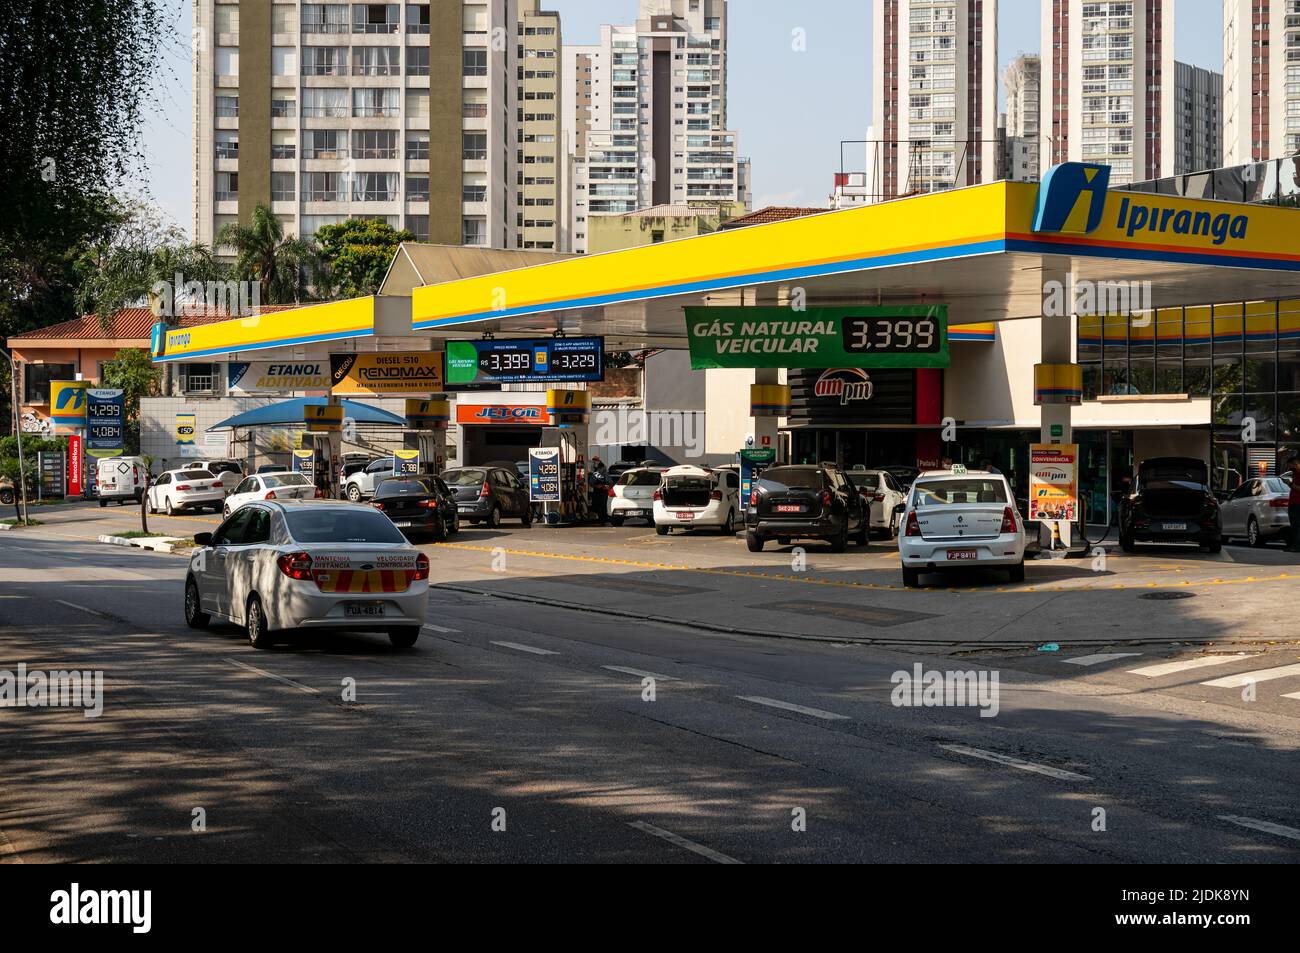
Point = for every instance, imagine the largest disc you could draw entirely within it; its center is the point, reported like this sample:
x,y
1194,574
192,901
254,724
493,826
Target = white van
x,y
120,478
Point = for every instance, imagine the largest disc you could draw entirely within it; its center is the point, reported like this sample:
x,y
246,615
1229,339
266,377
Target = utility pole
x,y
20,502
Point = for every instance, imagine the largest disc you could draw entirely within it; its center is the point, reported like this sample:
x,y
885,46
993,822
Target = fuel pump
x,y
569,412
324,437
426,423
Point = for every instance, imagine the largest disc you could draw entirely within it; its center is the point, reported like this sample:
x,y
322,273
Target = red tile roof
x,y
125,325
773,213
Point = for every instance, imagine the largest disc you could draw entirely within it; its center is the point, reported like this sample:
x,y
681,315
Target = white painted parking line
x,y
1098,659
1009,761
639,673
680,841
525,648
1292,695
1268,827
439,628
279,678
1201,661
73,605
1242,679
787,706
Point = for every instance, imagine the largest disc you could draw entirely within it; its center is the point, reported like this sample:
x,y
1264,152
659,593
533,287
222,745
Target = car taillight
x,y
484,491
878,498
1279,503
913,525
659,494
715,495
826,497
421,566
753,497
319,494
270,495
1008,520
427,504
295,565
217,485
376,504
181,488
612,494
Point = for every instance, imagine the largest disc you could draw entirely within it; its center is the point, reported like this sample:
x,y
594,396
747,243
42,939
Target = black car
x,y
489,494
616,470
1171,502
806,502
418,506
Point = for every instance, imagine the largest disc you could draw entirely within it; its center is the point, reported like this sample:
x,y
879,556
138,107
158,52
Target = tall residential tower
x,y
1261,80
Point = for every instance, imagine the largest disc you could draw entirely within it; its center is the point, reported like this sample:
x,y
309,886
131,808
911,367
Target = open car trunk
x,y
687,491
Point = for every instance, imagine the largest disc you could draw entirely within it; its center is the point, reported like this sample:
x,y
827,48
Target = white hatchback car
x,y
307,564
632,495
954,519
270,486
692,496
187,489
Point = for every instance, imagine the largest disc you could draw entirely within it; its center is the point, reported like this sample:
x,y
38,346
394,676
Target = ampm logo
x,y
1072,198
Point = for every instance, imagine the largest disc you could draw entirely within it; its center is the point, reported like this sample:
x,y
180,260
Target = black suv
x,y
489,494
807,501
1171,502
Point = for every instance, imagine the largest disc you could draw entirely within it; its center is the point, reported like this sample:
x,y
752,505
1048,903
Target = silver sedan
x,y
1257,512
278,565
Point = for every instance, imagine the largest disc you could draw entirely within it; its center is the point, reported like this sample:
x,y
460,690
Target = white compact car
x,y
692,496
954,519
270,486
187,489
308,564
632,495
881,489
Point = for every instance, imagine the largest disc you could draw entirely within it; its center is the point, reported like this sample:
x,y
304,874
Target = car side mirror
x,y
900,508
202,539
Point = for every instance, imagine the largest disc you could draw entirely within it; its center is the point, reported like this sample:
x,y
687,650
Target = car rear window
x,y
285,479
193,475
974,490
1277,486
1174,473
640,478
864,481
465,477
341,525
808,478
404,488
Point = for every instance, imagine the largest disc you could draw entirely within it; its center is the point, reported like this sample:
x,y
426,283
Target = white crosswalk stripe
x,y
1182,665
1099,658
1242,679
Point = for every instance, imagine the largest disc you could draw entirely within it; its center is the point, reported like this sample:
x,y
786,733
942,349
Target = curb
x,y
811,637
159,544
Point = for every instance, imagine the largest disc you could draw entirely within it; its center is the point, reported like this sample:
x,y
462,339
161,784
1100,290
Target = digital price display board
x,y
891,335
535,360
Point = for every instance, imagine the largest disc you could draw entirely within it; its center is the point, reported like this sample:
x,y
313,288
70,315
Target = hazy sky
x,y
790,108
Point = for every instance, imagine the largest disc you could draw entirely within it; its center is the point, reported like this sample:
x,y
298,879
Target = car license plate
x,y
364,609
686,516
1174,527
789,508
401,523
465,507
634,513
956,555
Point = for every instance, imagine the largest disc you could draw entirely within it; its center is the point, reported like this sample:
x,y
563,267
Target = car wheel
x,y
1253,535
1017,573
840,541
616,521
1126,543
167,507
455,524
1214,547
864,534
403,636
7,498
754,543
661,530
102,503
225,511
439,533
259,636
893,526
911,578
195,617
354,493
526,520
494,517
729,527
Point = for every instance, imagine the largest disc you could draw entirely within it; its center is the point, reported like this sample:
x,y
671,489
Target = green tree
x,y
286,268
133,371
355,256
32,445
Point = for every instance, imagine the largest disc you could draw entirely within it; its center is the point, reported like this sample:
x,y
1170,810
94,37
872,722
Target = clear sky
x,y
793,95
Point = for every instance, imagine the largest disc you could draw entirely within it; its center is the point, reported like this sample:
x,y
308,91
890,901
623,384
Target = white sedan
x,y
271,486
955,519
189,489
692,496
881,490
276,566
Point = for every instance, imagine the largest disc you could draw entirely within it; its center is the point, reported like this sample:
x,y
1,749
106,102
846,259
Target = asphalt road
x,y
539,719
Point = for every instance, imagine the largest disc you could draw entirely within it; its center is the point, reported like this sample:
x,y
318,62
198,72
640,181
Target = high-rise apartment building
x,y
1108,85
543,158
1198,119
648,118
934,103
1022,80
1261,80
406,112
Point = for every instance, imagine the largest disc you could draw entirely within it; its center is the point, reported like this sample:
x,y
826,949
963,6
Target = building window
x,y
227,187
474,62
324,61
283,188
417,61
374,103
474,145
37,377
473,193
417,146
227,107
374,144
323,187
376,61
283,105
324,18
199,378
374,186
417,188
418,226
324,144
474,231
227,143
375,17
417,18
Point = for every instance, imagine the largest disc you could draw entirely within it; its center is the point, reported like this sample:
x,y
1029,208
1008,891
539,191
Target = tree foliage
x,y
355,256
286,268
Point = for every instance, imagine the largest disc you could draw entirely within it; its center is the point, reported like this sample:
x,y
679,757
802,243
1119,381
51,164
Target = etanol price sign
x,y
896,336
539,360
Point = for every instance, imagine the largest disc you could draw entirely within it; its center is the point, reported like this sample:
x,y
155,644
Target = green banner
x,y
894,336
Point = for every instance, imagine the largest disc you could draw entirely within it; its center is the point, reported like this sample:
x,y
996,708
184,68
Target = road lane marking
x,y
73,605
1168,668
1241,679
438,628
525,648
639,673
1099,658
680,841
787,706
1268,827
1058,773
279,678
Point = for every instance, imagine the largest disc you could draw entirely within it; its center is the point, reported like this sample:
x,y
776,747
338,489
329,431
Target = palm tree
x,y
286,268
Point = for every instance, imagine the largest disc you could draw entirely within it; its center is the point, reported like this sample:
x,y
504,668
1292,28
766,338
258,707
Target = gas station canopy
x,y
288,413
